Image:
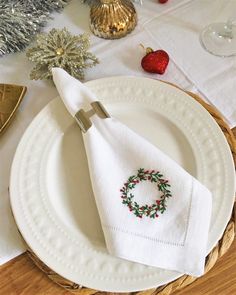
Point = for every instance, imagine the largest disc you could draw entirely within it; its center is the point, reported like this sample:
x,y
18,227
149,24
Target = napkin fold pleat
x,y
175,239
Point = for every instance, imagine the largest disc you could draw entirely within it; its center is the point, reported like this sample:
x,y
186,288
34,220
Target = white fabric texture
x,y
179,32
176,239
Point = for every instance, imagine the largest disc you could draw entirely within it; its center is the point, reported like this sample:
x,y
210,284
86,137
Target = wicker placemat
x,y
220,249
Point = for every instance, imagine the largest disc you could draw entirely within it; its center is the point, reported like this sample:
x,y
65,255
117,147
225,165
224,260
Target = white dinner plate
x,y
51,194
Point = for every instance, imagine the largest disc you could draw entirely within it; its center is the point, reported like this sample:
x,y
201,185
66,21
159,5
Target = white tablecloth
x,y
117,57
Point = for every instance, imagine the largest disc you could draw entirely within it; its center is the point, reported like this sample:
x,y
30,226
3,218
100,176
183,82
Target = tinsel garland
x,y
20,20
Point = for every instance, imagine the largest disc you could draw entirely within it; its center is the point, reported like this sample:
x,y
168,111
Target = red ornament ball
x,y
155,62
162,1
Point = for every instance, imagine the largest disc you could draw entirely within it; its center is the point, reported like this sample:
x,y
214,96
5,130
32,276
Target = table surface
x,y
21,277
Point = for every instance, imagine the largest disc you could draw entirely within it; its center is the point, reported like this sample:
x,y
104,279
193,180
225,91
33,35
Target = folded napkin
x,y
152,211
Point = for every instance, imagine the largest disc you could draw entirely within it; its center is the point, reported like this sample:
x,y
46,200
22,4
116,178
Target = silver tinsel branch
x,y
20,20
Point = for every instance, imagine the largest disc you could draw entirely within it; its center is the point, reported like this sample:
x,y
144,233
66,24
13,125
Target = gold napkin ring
x,y
83,118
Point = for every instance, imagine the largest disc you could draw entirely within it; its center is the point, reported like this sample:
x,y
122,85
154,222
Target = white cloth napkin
x,y
118,159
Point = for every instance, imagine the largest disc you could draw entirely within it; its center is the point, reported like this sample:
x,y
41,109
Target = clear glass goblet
x,y
220,38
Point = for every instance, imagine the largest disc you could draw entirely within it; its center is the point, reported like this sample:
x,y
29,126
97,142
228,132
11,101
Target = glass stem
x,y
228,29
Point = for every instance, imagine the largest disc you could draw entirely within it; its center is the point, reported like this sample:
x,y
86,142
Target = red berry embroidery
x,y
146,210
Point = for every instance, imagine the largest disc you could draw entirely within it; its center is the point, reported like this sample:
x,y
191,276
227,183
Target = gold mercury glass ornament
x,y
112,19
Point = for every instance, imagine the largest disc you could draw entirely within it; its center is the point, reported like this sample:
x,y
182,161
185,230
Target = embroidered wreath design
x,y
146,210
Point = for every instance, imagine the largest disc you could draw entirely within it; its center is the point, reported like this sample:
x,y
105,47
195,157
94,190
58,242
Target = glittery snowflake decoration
x,y
59,48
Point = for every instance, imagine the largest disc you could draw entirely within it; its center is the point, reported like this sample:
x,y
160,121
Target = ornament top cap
x,y
109,1
149,50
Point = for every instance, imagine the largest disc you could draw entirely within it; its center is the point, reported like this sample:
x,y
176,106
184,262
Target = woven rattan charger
x,y
221,247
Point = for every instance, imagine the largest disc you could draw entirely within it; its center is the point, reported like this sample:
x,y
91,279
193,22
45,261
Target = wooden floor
x,y
21,277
